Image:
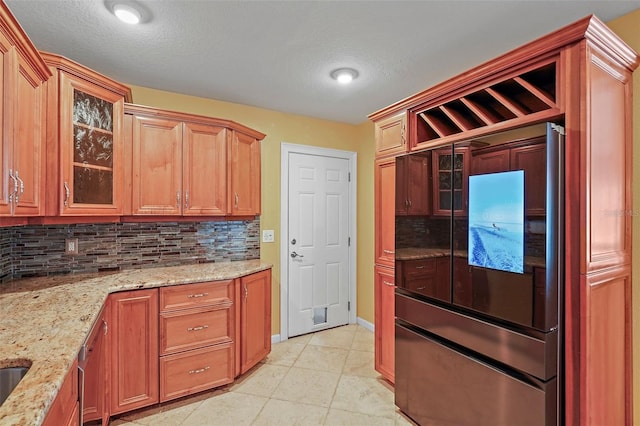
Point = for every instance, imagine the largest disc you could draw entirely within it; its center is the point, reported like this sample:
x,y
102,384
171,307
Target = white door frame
x,y
285,150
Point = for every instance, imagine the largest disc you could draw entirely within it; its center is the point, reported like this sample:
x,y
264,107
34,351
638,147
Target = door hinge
x,y
349,306
349,177
349,241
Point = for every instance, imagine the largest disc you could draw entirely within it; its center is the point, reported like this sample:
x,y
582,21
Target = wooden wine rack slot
x,y
515,98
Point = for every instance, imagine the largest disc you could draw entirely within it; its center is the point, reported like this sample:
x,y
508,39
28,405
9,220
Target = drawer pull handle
x,y
389,251
199,370
420,267
198,328
420,288
198,295
388,283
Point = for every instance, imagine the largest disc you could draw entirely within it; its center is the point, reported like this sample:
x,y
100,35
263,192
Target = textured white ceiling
x,y
278,54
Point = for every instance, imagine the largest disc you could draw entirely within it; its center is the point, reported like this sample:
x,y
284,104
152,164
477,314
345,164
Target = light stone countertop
x,y
44,321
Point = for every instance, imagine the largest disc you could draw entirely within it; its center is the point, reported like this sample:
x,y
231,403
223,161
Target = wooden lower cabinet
x,y
96,381
134,358
193,371
197,347
178,340
255,321
384,322
64,409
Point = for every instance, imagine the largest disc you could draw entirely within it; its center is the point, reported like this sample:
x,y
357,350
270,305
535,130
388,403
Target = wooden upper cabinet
x,y
490,162
245,175
450,181
191,165
85,165
204,173
385,190
22,122
532,159
390,135
156,166
413,185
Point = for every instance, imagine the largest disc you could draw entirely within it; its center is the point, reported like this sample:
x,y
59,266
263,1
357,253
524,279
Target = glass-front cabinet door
x,y
91,148
450,174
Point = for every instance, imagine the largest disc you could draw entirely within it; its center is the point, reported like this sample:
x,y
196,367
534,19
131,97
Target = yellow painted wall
x,y
280,127
627,28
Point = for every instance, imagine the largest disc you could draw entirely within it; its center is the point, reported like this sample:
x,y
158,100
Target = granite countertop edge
x,y
45,320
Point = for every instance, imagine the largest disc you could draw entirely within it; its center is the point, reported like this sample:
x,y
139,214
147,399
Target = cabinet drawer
x,y
194,295
194,371
184,330
419,267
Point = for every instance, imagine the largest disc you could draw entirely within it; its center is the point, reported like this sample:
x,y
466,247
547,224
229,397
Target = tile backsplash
x,y
38,250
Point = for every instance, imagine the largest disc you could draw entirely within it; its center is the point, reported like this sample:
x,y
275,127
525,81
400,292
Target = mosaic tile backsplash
x,y
39,250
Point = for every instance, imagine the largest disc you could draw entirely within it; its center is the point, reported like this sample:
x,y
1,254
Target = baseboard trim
x,y
366,324
275,339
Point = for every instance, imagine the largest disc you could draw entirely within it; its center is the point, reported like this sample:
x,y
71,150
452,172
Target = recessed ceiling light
x,y
126,13
344,75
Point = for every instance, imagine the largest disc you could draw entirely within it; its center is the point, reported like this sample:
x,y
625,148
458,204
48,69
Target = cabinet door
x,y
245,175
95,405
390,135
450,176
384,322
29,139
399,181
22,135
64,408
7,57
134,352
91,148
157,166
418,184
532,159
204,176
255,320
385,188
490,162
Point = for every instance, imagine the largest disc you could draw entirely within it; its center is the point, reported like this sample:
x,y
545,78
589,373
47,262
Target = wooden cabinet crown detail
x,y
530,95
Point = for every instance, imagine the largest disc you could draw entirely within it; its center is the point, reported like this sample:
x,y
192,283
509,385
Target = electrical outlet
x,y
71,246
268,236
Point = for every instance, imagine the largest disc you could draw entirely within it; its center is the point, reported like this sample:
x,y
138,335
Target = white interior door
x,y
318,242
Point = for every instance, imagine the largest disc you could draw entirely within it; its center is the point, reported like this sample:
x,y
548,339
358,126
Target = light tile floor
x,y
324,378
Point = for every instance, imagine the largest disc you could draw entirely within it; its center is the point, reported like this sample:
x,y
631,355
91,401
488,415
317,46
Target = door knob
x,y
294,255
